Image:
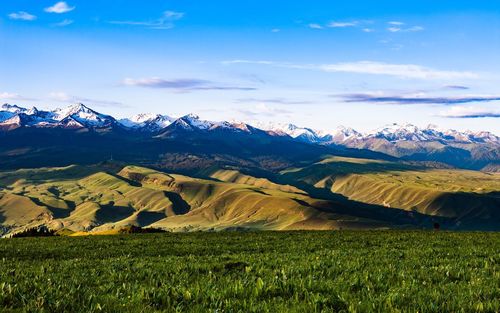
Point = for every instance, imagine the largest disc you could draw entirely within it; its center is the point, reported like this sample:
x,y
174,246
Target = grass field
x,y
347,271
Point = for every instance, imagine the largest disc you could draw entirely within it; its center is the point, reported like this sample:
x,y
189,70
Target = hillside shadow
x,y
340,204
110,213
342,169
57,212
179,205
131,182
145,218
473,211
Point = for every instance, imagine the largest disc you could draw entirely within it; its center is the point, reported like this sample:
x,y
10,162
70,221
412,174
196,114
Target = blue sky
x,y
319,64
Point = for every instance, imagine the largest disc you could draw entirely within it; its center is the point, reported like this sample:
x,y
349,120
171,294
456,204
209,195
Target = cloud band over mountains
x,y
408,71
408,100
189,84
470,113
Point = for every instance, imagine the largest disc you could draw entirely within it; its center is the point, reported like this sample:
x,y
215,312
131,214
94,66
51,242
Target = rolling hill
x,y
98,198
462,195
335,193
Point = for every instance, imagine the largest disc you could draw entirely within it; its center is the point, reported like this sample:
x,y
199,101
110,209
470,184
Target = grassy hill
x,y
459,194
100,198
334,193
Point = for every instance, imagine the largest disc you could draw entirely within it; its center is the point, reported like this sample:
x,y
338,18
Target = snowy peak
x,y
296,132
147,121
74,116
405,132
83,115
192,122
343,134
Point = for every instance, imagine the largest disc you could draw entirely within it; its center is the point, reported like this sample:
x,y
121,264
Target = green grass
x,y
346,271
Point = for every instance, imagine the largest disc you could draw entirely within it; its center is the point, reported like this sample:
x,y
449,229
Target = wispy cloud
x,y
399,70
59,7
166,21
470,112
21,15
275,30
181,84
399,27
14,96
272,100
315,26
380,97
456,87
361,24
335,24
63,23
371,67
64,97
261,110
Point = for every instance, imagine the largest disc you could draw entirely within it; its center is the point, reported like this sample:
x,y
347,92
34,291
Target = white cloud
x,y
166,21
173,15
59,7
343,24
470,112
13,96
229,62
396,23
397,29
60,96
399,70
315,26
262,109
368,30
21,15
64,97
63,23
185,84
373,68
275,30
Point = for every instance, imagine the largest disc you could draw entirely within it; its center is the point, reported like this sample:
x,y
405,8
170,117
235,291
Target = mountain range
x,y
463,149
75,169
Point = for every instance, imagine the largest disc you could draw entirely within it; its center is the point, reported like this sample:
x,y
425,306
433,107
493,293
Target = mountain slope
x,y
464,196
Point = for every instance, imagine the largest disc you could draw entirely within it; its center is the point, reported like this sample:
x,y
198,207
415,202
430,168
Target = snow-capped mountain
x,y
303,134
74,116
398,140
343,134
79,115
409,132
147,121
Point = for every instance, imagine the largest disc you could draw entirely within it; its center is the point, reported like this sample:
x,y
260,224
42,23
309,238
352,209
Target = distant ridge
x,y
464,149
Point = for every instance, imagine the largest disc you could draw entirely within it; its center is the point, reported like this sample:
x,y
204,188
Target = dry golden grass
x,y
103,202
442,192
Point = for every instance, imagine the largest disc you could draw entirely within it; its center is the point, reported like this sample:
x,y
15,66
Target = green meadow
x,y
300,271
